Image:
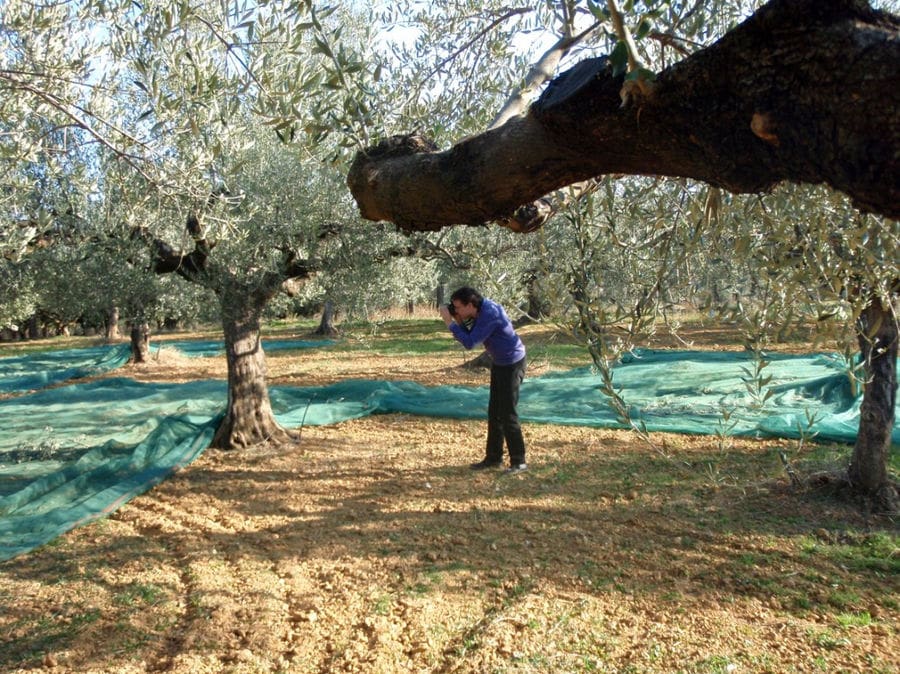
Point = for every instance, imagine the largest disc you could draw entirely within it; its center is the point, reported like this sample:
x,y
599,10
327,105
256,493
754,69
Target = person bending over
x,y
475,320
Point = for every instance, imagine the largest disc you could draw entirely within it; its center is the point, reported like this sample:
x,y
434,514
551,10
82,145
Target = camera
x,y
452,309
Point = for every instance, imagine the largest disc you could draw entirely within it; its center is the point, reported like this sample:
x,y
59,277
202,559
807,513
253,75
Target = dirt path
x,y
370,547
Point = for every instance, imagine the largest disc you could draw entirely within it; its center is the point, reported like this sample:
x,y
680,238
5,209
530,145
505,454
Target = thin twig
x,y
789,469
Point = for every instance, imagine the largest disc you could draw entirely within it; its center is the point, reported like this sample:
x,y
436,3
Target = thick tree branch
x,y
804,90
166,260
532,216
539,73
295,269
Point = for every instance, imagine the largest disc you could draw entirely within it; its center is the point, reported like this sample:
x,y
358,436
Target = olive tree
x,y
766,102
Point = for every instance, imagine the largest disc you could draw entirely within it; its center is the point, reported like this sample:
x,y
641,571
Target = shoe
x,y
482,465
517,468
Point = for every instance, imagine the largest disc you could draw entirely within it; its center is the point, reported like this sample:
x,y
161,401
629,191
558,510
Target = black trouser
x,y
503,419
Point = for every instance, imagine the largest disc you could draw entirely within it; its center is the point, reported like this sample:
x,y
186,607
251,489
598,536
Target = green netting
x,y
38,370
72,454
675,391
98,482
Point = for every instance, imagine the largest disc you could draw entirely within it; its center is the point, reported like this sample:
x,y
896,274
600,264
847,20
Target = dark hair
x,y
467,295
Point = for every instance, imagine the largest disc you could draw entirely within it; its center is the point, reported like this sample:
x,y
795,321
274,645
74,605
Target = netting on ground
x,y
75,453
39,370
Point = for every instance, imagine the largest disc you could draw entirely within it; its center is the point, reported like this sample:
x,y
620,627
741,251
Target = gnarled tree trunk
x,y
34,327
482,361
112,323
249,419
140,342
326,325
539,307
878,337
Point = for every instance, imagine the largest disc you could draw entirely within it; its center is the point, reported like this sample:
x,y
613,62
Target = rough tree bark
x,y
112,323
140,342
326,325
249,419
804,91
482,361
878,337
538,306
34,327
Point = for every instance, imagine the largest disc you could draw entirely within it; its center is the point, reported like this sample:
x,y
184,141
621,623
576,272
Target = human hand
x,y
445,315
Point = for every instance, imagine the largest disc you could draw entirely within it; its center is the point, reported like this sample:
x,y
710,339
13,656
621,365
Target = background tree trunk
x,y
538,306
326,325
34,327
482,361
868,474
112,323
249,419
140,342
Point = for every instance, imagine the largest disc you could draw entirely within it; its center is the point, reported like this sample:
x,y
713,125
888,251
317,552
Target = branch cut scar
x,y
763,126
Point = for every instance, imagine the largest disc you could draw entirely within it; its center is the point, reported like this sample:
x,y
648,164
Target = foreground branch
x,y
805,91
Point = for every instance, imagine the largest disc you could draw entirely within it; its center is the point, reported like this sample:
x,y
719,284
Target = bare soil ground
x,y
369,546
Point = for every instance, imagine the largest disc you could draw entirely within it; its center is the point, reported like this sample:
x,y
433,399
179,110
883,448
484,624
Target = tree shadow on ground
x,y
335,516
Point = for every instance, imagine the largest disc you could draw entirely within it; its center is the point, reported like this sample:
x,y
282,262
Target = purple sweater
x,y
493,328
